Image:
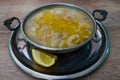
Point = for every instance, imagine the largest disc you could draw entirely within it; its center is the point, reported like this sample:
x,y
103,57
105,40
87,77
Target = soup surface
x,y
59,27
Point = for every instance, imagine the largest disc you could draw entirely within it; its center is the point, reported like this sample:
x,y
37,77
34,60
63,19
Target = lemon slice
x,y
43,58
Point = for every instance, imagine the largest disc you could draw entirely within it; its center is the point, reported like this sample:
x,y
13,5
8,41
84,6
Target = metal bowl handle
x,y
104,14
8,23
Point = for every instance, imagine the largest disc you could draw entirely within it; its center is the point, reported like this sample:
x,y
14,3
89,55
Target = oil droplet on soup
x,y
59,27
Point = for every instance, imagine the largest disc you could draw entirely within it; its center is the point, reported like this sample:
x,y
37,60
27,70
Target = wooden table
x,y
110,70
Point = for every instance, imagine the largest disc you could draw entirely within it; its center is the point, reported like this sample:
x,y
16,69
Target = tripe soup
x,y
59,27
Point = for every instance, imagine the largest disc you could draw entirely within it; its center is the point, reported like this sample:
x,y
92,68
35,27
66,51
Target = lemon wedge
x,y
43,58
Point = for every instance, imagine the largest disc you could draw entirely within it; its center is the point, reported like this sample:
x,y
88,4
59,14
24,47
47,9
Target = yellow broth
x,y
59,27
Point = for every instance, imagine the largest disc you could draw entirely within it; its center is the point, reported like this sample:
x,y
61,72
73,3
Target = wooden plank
x,y
110,70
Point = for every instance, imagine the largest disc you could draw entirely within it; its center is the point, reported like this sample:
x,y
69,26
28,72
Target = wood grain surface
x,y
110,70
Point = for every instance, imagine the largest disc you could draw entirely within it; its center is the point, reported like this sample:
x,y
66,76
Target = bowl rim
x,y
52,48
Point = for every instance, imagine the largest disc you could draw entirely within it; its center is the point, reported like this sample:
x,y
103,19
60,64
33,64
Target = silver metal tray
x,y
69,65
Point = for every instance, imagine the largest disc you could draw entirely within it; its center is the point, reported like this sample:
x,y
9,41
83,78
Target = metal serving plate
x,y
69,65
